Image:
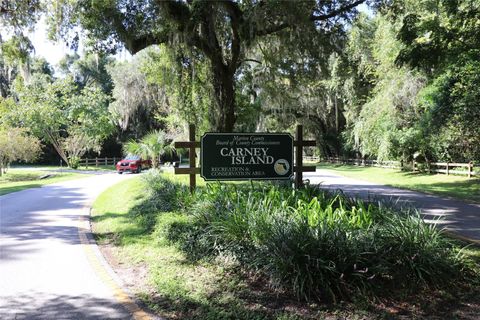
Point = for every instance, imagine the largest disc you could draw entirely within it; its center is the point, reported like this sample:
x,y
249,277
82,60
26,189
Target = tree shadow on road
x,y
39,305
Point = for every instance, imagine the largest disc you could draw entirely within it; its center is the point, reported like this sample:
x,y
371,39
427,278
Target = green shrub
x,y
313,243
74,162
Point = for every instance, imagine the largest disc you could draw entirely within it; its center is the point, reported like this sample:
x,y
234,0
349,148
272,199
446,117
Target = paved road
x,y
457,216
45,272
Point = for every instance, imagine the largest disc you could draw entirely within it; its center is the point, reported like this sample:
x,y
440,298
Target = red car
x,y
133,164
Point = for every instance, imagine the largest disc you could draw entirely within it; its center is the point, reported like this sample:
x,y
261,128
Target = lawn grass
x,y
175,287
19,179
179,285
101,167
452,186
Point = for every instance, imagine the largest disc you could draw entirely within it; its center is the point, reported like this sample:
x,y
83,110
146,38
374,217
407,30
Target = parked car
x,y
132,163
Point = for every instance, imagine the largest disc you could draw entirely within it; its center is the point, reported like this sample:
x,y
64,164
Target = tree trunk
x,y
223,85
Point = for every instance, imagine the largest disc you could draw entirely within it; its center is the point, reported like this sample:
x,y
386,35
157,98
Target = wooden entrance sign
x,y
192,145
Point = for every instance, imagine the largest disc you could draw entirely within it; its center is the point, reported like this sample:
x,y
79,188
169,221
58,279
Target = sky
x,y
53,52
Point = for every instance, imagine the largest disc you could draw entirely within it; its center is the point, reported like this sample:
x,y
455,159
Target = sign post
x,y
246,156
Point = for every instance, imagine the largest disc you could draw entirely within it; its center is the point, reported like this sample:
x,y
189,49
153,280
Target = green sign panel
x,y
244,156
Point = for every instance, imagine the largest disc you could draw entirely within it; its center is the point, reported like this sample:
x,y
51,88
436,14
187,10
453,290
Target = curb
x,y
456,236
104,271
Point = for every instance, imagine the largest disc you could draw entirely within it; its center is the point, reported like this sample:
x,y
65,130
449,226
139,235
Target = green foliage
x,y
379,127
88,70
452,115
215,35
400,81
186,81
74,162
136,103
17,145
16,49
72,120
151,146
16,15
436,33
309,242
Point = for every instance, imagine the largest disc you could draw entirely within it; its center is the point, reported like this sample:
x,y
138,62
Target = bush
x,y
74,162
313,243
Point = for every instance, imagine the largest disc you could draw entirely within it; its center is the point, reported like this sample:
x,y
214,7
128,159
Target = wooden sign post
x,y
299,169
192,145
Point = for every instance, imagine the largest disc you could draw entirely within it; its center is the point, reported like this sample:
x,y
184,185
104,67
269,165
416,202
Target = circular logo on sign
x,y
281,166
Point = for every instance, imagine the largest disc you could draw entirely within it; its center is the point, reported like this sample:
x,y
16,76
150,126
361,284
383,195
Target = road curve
x,y
45,272
460,218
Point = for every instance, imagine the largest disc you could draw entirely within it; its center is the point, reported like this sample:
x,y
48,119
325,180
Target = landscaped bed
x,y
252,251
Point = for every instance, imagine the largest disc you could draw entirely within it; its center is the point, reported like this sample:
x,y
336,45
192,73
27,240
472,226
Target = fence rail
x,y
469,169
367,163
98,162
312,158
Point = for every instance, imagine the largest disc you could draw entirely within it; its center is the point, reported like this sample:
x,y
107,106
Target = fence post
x,y
106,159
470,167
86,164
448,169
96,162
114,162
414,165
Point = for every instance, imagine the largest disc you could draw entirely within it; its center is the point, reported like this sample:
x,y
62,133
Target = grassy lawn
x,y
100,167
175,286
97,168
454,186
18,179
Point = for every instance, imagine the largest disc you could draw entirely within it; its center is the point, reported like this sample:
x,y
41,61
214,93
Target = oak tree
x,y
219,31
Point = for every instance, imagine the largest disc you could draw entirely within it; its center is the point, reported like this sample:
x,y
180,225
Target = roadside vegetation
x,y
251,251
453,186
19,179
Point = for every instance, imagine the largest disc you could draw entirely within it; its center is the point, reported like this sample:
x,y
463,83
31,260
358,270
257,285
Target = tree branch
x,y
178,12
331,14
235,14
273,29
251,60
133,45
337,11
210,39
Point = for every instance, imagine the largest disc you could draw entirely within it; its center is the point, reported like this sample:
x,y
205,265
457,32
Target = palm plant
x,y
152,146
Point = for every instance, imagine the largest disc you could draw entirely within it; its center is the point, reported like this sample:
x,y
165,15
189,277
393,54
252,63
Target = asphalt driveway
x,y
44,270
456,216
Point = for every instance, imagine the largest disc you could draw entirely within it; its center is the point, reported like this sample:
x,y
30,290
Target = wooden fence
x,y
98,162
312,158
469,169
367,163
